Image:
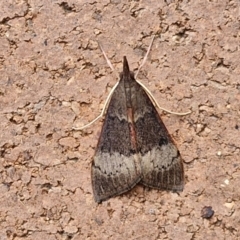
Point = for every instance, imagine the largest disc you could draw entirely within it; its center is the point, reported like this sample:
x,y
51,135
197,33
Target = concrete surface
x,y
54,77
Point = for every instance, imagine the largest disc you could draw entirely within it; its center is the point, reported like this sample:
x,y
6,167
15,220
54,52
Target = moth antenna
x,y
157,105
105,55
103,110
146,89
107,59
146,55
109,95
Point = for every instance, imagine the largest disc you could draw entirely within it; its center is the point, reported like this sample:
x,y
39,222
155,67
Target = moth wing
x,y
161,163
116,165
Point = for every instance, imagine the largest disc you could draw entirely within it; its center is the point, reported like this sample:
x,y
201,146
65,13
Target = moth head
x,y
126,73
131,75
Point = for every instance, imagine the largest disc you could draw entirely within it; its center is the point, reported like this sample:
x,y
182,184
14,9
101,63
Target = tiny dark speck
x,y
207,212
236,127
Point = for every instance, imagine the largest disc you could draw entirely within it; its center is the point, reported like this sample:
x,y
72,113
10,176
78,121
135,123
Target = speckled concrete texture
x,y
53,77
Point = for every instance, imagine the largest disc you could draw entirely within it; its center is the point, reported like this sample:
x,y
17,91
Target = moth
x,y
134,145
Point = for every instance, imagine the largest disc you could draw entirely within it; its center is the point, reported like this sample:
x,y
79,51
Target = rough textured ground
x,y
54,77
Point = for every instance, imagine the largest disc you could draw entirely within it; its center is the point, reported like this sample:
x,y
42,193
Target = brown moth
x,y
134,145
